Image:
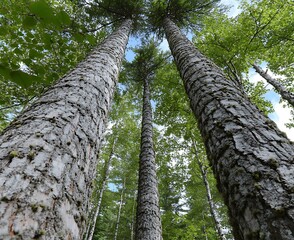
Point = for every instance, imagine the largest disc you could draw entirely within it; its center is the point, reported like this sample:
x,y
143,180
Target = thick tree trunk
x,y
212,209
286,95
148,224
119,210
49,153
251,158
102,189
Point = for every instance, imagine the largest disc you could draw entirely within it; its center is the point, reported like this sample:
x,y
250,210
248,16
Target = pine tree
x,y
47,153
250,156
148,222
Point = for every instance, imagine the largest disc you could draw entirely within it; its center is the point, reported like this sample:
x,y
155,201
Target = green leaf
x,y
63,18
3,31
29,22
35,54
42,9
91,39
4,72
78,37
22,79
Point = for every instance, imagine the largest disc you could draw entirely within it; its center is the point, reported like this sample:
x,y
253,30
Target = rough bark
x,y
251,158
102,189
212,209
49,153
148,223
119,210
282,90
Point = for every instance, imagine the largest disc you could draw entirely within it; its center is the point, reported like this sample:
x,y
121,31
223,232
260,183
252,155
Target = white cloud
x,y
234,7
283,116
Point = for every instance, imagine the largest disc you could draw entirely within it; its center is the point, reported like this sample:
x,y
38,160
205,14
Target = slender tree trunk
x,y
148,224
133,217
88,226
212,209
119,209
49,153
251,158
286,95
103,186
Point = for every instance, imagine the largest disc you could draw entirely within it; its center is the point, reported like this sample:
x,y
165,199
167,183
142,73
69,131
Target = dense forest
x,y
105,135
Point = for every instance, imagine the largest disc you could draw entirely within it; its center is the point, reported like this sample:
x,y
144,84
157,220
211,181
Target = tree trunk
x,y
49,153
286,95
119,209
104,183
133,216
251,158
203,171
148,224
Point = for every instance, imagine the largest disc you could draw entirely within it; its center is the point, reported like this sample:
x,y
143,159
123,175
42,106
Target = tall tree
x,y
148,222
48,152
251,158
248,153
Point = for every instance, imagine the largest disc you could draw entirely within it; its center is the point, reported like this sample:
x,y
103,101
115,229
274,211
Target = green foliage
x,y
262,32
111,12
125,128
50,37
39,42
147,61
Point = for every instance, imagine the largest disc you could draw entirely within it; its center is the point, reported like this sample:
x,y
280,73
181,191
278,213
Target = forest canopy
x,y
67,58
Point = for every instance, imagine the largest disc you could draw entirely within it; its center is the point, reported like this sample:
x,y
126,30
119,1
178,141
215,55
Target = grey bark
x,y
148,222
212,208
119,209
252,160
286,95
49,153
133,216
102,189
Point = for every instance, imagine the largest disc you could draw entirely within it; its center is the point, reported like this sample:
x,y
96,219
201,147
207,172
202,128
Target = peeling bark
x,y
148,224
282,90
103,186
252,160
49,153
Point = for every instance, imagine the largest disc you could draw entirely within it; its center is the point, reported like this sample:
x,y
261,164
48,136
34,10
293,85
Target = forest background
x,y
42,40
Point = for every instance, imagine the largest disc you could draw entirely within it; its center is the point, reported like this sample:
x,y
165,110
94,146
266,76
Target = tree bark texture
x,y
286,95
49,153
148,223
119,210
252,160
103,186
212,209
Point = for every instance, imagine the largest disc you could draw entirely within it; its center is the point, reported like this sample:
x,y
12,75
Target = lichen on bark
x,y
241,144
48,154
